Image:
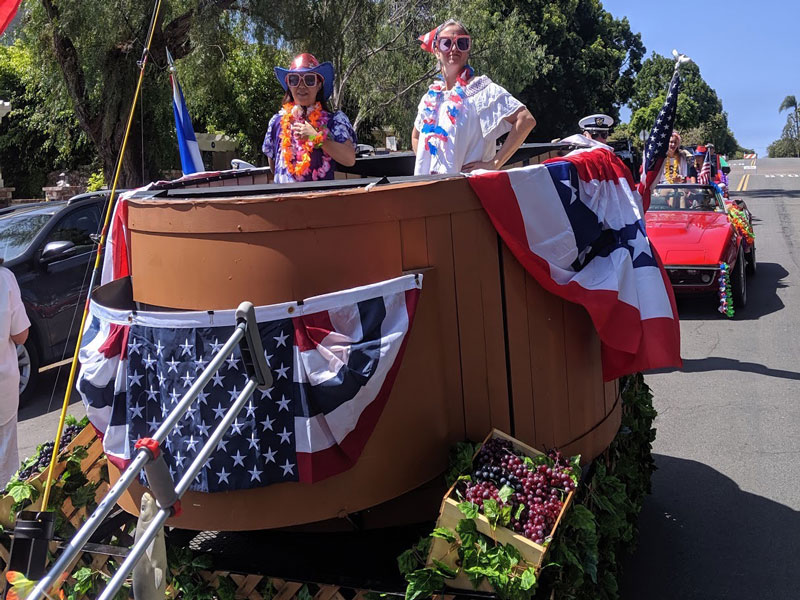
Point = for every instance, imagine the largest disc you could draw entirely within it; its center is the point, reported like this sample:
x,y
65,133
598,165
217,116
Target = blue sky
x,y
749,52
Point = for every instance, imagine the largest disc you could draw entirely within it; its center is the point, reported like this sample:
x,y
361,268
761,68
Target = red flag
x,y
426,40
8,10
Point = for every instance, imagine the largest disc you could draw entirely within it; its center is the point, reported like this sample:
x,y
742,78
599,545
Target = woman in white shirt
x,y
14,326
462,115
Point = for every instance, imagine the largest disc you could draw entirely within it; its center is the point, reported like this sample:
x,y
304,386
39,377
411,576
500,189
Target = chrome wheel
x,y
25,367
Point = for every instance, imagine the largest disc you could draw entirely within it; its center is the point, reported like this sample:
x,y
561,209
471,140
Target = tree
x,y
699,116
591,58
89,52
40,134
789,142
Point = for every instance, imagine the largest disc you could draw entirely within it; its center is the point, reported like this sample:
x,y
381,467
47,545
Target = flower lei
x,y
455,97
739,219
297,153
725,292
672,169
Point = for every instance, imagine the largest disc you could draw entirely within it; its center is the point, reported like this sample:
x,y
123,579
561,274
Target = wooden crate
x,y
449,516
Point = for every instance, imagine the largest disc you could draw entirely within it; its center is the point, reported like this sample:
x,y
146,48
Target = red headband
x,y
427,40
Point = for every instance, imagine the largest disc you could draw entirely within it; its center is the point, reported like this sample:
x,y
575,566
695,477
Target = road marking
x,y
750,167
793,175
743,183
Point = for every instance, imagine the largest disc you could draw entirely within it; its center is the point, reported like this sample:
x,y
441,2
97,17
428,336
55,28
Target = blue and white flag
x,y
191,161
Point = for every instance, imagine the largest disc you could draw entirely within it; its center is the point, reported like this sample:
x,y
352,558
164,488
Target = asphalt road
x,y
38,418
722,521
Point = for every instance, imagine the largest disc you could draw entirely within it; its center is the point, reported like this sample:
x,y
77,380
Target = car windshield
x,y
17,232
666,197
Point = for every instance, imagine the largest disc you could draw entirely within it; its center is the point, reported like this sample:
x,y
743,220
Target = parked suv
x,y
50,247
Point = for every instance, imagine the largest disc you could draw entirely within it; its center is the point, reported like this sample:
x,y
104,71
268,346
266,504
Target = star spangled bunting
x,y
657,144
333,360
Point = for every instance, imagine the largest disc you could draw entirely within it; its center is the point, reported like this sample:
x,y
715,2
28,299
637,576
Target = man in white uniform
x,y
594,135
14,326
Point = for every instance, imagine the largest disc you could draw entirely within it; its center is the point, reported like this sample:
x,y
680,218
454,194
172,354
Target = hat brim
x,y
324,70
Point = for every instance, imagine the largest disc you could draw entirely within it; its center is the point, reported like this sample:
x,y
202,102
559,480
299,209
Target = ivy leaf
x,y
303,593
445,570
407,562
582,518
422,583
528,579
467,531
491,510
505,515
468,509
444,533
520,508
20,491
505,493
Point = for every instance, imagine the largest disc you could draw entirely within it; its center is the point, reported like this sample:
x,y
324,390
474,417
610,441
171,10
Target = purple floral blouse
x,y
339,130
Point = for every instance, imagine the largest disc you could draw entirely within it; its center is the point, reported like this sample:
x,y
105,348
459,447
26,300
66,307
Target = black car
x,y
50,247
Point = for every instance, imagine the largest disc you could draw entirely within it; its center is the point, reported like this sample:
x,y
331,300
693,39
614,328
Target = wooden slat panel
x,y
584,372
549,375
441,283
414,244
519,349
480,324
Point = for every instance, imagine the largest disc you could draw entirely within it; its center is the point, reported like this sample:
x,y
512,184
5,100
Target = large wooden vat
x,y
489,347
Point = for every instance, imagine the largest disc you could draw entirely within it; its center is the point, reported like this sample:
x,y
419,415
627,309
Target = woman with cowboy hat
x,y
304,139
461,116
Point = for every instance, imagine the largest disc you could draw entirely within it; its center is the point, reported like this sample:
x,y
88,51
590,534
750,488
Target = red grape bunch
x,y
538,489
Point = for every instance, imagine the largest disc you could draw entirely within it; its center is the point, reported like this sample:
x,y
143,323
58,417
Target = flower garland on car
x,y
436,92
737,216
297,153
725,292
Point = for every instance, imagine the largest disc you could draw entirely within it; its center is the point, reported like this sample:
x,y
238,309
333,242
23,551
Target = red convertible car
x,y
692,230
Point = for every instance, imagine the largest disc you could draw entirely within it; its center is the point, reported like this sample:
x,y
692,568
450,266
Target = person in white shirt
x,y
461,116
14,325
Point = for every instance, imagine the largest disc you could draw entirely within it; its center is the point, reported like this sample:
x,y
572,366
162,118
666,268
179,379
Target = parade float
x,y
398,317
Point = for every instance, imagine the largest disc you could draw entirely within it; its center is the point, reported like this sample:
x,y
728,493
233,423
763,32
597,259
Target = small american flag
x,y
655,150
704,176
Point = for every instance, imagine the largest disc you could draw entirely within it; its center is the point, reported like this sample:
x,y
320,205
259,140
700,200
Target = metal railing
x,y
149,457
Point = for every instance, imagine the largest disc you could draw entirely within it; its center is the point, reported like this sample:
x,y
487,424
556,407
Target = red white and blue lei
x,y
431,130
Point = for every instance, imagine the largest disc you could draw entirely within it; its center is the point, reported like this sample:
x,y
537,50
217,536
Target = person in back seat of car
x,y
677,162
14,325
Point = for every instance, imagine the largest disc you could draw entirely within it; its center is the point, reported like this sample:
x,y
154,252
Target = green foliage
x,y
599,526
788,145
699,117
96,182
41,133
602,522
590,62
479,558
460,461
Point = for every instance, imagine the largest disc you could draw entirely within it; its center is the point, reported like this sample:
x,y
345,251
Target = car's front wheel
x,y
751,261
739,282
28,361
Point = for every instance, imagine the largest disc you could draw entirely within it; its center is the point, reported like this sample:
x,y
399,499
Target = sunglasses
x,y
294,79
462,42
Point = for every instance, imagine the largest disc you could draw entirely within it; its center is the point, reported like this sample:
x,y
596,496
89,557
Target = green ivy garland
x,y
582,561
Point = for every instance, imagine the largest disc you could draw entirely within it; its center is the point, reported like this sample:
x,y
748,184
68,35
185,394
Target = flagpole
x,y
100,247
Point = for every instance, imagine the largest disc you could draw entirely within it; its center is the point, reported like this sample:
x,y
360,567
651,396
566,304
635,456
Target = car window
x,y
76,227
17,232
684,198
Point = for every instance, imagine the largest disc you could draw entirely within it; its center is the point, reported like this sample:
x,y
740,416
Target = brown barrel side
x,y
489,347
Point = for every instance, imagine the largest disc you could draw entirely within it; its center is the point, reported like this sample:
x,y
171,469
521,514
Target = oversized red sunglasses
x,y
294,79
462,42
